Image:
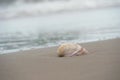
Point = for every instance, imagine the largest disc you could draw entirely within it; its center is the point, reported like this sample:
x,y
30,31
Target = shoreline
x,y
53,45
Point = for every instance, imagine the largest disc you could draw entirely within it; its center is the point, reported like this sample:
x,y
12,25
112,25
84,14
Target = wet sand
x,y
103,63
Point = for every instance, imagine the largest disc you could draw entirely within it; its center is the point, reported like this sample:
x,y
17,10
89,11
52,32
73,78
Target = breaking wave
x,y
26,8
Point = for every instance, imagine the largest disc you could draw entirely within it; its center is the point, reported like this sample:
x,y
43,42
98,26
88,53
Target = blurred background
x,y
27,24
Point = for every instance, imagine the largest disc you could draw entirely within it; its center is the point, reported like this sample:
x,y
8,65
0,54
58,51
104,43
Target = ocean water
x,y
28,24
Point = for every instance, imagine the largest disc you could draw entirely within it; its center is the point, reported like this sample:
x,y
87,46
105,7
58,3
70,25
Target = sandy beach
x,y
103,63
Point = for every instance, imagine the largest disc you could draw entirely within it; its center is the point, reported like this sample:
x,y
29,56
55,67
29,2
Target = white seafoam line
x,y
53,45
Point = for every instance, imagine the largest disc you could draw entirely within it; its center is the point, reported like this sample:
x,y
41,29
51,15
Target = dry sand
x,y
43,64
